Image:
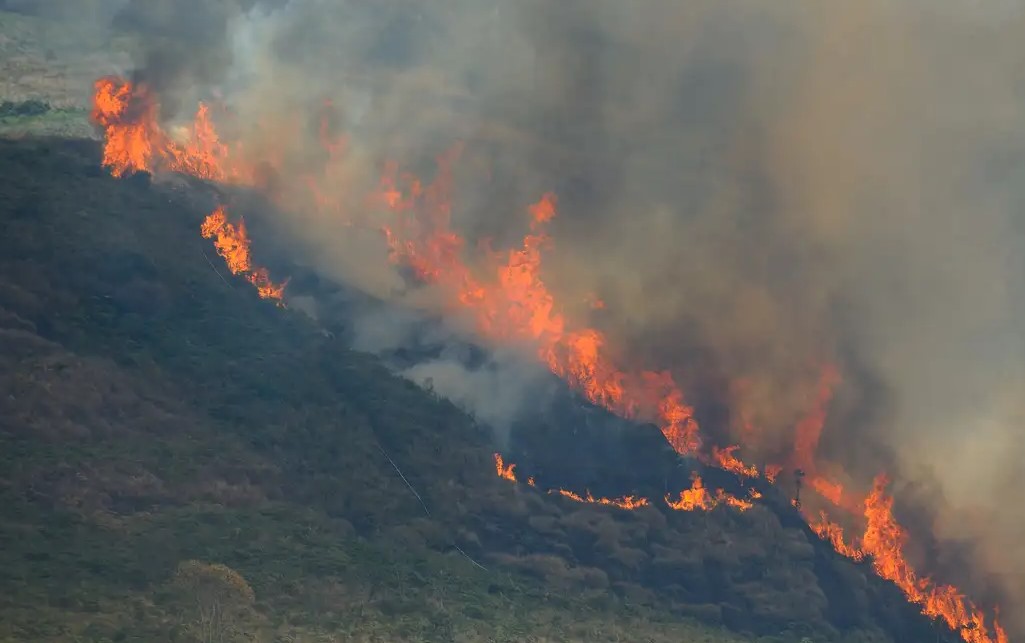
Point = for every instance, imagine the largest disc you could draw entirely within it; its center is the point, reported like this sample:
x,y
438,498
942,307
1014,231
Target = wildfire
x,y
504,471
128,116
809,429
883,543
421,237
693,499
232,244
508,299
725,459
698,498
626,502
135,142
833,533
807,435
831,491
514,303
202,154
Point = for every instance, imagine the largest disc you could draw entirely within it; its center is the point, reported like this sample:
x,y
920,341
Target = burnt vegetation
x,y
156,415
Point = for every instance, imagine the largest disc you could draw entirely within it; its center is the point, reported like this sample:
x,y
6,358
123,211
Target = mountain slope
x,y
153,411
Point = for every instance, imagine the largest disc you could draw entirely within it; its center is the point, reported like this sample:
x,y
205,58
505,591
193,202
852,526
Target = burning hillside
x,y
507,299
785,254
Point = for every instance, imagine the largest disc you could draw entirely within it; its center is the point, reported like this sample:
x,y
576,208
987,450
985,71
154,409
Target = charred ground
x,y
154,410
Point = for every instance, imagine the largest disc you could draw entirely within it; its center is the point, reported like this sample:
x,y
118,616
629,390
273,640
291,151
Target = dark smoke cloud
x,y
752,188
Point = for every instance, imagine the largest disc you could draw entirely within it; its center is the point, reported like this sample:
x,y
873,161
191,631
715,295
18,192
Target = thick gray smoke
x,y
753,189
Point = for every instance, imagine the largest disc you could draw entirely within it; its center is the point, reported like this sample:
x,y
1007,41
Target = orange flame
x,y
232,243
505,472
832,532
128,116
725,459
421,238
808,433
698,498
135,141
626,502
883,543
202,155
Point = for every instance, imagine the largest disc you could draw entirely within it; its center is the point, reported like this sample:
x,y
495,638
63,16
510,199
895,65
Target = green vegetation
x,y
35,117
